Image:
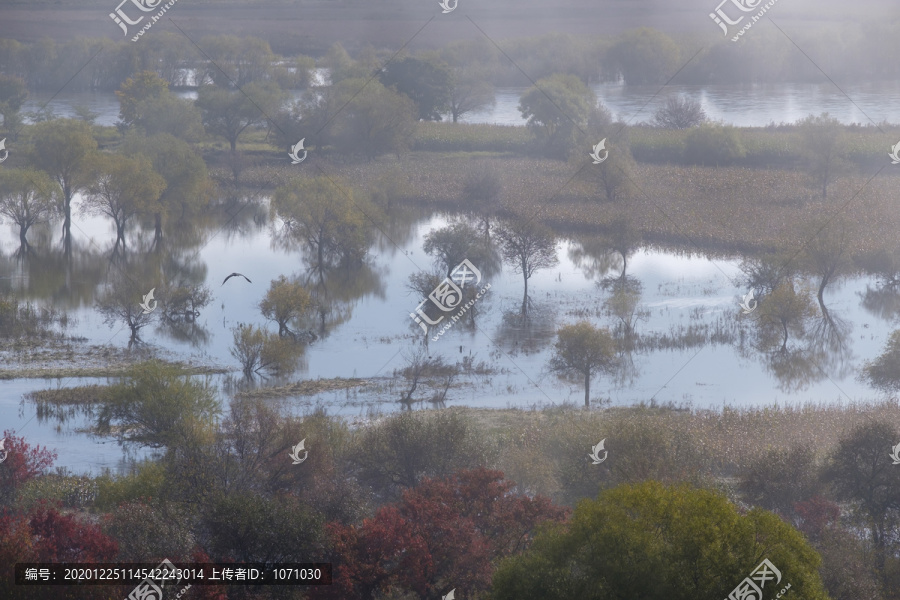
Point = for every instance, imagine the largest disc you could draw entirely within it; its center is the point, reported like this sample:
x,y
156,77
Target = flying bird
x,y
236,275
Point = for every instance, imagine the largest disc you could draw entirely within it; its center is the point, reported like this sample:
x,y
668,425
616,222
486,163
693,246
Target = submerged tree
x,y
121,302
27,198
583,350
787,309
325,218
259,351
286,301
153,402
528,246
187,184
66,150
123,189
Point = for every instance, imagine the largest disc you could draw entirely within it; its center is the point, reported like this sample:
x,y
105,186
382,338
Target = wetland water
x,y
692,326
744,106
694,345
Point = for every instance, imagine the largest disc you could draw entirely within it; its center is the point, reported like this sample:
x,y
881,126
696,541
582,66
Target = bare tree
x,y
469,91
528,246
680,112
822,144
121,302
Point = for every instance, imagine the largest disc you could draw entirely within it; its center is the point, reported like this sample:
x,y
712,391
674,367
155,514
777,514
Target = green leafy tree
x,y
229,113
13,94
325,218
123,188
557,109
654,542
583,350
643,57
66,150
27,197
785,311
260,351
170,114
144,85
342,66
235,62
426,82
187,183
454,243
883,373
286,301
153,402
376,120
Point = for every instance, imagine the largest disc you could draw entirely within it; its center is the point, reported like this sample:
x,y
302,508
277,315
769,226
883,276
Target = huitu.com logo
x,y
748,304
445,4
596,153
122,20
294,153
6,152
296,450
595,452
447,297
723,20
146,307
895,154
752,586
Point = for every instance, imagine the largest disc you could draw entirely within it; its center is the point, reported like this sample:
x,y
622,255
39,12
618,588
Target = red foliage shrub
x,y
23,463
46,535
817,514
443,534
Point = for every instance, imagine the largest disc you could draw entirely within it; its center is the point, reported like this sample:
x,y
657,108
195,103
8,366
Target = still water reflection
x,y
677,315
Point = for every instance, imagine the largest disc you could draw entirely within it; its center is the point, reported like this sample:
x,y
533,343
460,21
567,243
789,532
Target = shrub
x,y
405,448
714,144
780,478
655,542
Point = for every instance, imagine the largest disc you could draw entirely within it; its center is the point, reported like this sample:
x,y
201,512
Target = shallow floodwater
x,y
677,292
743,106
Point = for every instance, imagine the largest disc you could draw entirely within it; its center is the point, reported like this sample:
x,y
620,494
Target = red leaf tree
x,y
444,534
46,535
23,463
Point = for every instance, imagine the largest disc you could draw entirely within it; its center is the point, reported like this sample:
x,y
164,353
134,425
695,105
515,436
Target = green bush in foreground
x,y
654,542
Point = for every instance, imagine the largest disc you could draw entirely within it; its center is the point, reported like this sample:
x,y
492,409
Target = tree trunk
x,y
525,296
784,343
67,221
587,389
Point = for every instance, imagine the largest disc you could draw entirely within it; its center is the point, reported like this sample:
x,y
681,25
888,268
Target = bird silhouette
x,y
236,275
